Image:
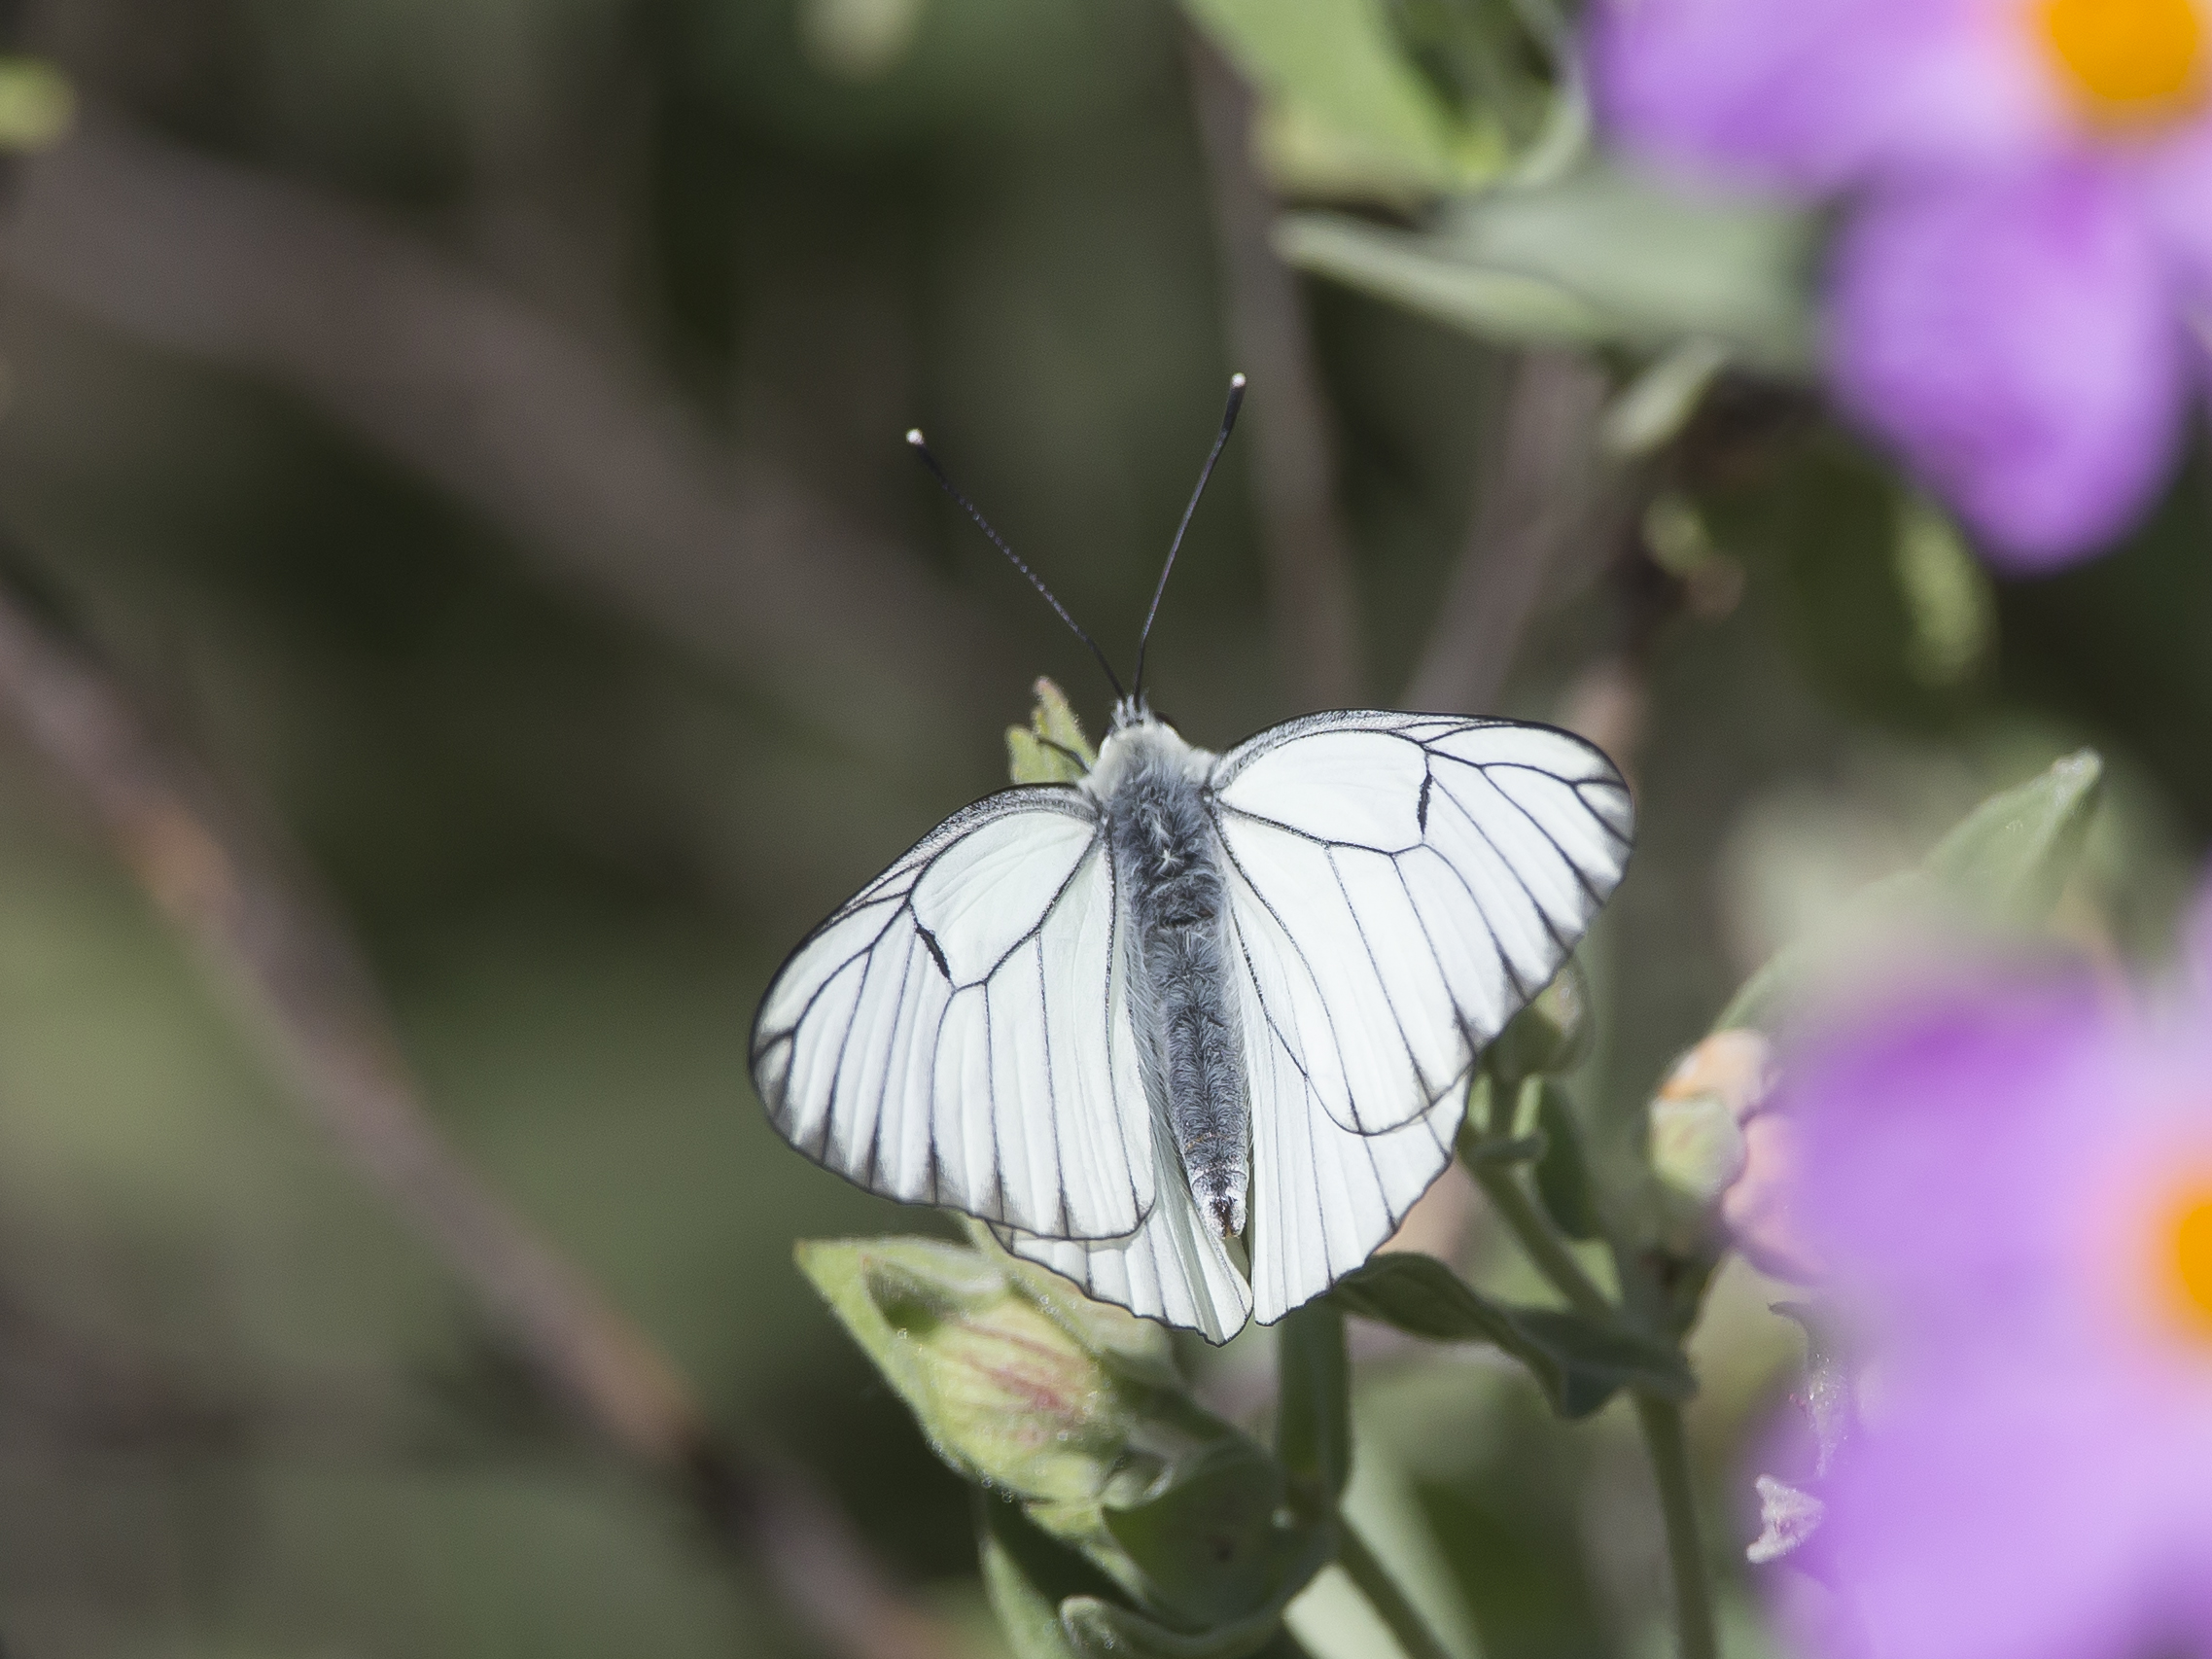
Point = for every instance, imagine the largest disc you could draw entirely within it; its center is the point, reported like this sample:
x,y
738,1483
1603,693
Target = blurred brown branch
x,y
228,883
1313,607
573,450
1545,490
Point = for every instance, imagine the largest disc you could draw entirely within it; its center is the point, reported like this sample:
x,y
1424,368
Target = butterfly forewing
x,y
949,1036
1403,884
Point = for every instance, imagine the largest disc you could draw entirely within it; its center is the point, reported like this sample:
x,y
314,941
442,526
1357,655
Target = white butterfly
x,y
1194,998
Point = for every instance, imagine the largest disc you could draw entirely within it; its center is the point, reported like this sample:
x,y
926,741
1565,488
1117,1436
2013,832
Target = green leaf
x,y
1562,1173
1654,408
1339,68
2003,864
1763,1000
1594,1359
1052,748
1216,1540
1098,1629
1577,1362
2011,855
1429,277
1312,1413
1027,1577
1598,257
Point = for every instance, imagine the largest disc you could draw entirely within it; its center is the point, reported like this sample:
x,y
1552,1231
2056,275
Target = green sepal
x,y
1139,1349
1217,1540
1563,1179
1027,1577
1313,1412
1066,1409
1578,1362
1053,1604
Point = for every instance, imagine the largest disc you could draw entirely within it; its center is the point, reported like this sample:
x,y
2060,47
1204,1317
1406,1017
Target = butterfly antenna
x,y
945,483
1220,440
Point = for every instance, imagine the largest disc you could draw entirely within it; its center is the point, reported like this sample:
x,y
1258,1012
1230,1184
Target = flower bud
x,y
1698,1147
1757,1210
1697,1151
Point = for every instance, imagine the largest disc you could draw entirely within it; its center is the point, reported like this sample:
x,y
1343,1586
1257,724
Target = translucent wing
x,y
1399,886
949,1035
1171,1268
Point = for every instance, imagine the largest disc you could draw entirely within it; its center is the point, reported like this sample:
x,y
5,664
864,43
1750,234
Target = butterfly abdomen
x,y
1169,881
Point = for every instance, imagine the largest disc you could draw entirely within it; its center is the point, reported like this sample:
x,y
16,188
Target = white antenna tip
x,y
914,435
1235,382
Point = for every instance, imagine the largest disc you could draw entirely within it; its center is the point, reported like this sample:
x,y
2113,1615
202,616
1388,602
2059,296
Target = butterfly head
x,y
1138,741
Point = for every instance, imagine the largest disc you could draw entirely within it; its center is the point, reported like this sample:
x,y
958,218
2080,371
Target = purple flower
x,y
2012,1194
2029,233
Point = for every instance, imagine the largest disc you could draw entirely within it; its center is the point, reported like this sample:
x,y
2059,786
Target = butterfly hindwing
x,y
1400,885
1171,1268
949,1035
1322,1196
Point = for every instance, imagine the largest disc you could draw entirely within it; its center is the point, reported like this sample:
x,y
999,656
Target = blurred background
x,y
468,434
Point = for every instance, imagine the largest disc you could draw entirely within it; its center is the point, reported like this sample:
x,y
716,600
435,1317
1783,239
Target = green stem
x,y
1390,1603
1540,1240
1662,1423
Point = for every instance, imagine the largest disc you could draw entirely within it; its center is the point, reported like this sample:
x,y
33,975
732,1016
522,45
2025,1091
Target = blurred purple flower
x,y
2030,228
2012,1193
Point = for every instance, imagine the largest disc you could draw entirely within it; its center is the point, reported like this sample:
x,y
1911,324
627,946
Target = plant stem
x,y
1661,1420
1662,1423
1390,1603
1540,1240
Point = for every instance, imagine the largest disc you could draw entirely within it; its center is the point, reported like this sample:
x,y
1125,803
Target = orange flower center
x,y
2129,64
2190,1241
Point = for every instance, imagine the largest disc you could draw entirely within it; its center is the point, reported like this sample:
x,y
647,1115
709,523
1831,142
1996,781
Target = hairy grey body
x,y
1171,888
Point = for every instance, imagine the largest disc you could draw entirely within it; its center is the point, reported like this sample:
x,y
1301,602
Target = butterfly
x,y
1194,1029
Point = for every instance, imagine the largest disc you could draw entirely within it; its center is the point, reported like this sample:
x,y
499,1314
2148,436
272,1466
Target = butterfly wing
x,y
1400,885
950,1036
1171,1268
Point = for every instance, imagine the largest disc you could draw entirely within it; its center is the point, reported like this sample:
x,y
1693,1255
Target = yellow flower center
x,y
2188,1242
2129,64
